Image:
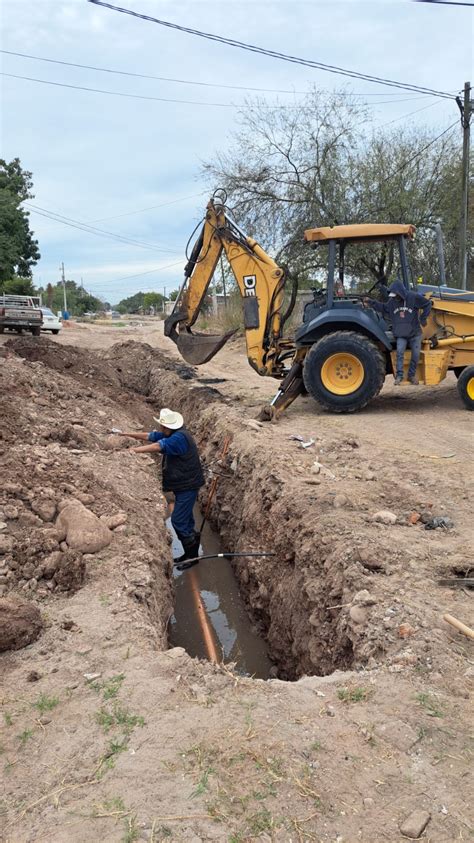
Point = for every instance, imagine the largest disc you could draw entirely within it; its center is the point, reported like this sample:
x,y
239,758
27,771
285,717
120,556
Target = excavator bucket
x,y
197,349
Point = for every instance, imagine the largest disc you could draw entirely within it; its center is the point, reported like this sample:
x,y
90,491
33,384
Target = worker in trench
x,y
182,476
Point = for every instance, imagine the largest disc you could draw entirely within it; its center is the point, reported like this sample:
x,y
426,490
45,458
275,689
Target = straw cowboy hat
x,y
168,418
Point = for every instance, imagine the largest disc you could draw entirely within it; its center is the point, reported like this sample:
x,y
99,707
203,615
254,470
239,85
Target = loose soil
x,y
108,735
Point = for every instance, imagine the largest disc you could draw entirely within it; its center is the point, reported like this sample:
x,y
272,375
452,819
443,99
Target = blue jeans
x,y
182,518
415,345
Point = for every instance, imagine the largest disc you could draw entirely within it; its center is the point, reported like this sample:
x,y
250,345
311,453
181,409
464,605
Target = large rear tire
x,y
343,371
466,387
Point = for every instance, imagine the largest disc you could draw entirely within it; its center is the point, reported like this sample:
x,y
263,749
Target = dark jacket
x,y
403,310
183,473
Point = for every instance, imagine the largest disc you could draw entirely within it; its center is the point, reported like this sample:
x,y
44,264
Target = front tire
x,y
466,387
343,371
55,331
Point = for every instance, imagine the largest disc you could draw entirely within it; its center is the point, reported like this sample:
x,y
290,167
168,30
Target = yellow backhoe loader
x,y
342,351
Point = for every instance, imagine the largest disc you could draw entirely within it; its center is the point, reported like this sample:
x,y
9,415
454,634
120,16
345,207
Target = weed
x,y
8,718
112,686
112,750
260,822
45,703
118,717
105,719
25,736
203,783
104,600
427,702
315,746
354,695
116,803
132,832
127,721
165,831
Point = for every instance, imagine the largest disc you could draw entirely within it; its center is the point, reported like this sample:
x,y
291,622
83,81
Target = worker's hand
x,y
117,431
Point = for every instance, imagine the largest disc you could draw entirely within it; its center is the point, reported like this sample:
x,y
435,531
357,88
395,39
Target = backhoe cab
x,y
342,351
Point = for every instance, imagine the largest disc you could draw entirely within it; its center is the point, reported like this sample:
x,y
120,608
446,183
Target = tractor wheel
x,y
344,371
466,387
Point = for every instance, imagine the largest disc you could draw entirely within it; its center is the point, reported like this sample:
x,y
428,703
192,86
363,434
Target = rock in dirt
x,y
384,516
114,521
46,509
6,544
81,529
20,623
358,614
415,824
33,676
340,501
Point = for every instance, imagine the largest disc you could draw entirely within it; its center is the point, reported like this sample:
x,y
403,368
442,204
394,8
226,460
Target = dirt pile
x,y
20,623
106,735
65,490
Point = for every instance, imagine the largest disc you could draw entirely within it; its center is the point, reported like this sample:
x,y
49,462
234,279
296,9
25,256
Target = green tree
x,y
153,300
18,287
18,249
132,304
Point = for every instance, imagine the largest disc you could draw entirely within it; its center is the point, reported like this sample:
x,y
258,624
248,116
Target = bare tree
x,y
322,163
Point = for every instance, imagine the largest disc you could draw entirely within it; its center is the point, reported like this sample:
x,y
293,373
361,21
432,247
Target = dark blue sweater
x,y
403,310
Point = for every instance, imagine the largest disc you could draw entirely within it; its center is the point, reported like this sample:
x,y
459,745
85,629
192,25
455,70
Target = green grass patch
x,y
45,703
431,706
354,695
25,736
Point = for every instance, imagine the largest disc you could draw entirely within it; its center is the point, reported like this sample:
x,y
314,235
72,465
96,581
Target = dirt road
x,y
108,735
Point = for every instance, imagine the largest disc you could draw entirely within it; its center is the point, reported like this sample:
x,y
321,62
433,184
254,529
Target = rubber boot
x,y
191,552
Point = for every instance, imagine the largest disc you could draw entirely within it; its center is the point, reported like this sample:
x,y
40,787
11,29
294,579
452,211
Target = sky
x,y
133,167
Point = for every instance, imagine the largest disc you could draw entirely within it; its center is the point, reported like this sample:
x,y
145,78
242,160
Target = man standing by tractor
x,y
182,475
403,311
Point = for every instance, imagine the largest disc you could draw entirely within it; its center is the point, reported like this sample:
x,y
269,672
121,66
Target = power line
x,y
139,274
446,3
152,207
167,99
182,81
242,45
72,223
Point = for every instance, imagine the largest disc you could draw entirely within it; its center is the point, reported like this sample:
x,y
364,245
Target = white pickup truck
x,y
19,313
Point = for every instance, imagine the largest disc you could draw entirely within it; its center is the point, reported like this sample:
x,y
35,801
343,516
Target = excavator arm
x,y
261,283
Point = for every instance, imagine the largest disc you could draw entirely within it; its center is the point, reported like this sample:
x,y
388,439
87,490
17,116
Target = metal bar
x,y
440,250
404,262
331,266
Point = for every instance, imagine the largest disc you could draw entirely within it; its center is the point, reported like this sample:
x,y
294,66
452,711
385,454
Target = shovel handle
x,y
459,625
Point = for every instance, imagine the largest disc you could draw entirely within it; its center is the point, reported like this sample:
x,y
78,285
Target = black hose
x,y
221,556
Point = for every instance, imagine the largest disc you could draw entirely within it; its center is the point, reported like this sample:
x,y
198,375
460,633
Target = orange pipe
x,y
207,632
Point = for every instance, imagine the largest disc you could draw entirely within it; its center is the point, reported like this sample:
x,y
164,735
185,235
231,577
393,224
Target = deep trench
x,y
292,599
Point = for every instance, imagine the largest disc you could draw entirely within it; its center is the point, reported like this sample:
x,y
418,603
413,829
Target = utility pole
x,y
63,279
465,108
164,301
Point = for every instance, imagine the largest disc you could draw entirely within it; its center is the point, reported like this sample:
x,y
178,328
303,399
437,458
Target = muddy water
x,y
210,619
